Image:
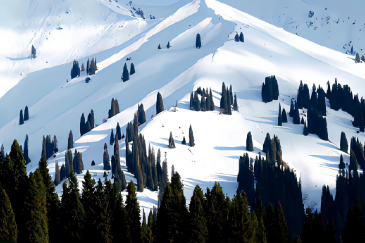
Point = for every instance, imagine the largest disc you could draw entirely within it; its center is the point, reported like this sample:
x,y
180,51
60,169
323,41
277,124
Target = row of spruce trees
x,y
90,68
270,180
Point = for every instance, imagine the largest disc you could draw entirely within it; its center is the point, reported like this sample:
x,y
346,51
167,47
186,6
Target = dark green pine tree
x,y
198,42
168,45
159,46
70,140
216,207
35,210
159,103
125,75
292,108
355,228
82,125
240,219
260,231
249,143
72,213
235,106
26,154
241,37
171,141
111,141
21,118
280,118
133,70
342,165
52,200
198,231
133,212
236,38
191,137
8,227
330,235
118,132
146,231
26,113
283,116
183,141
88,200
343,143
270,224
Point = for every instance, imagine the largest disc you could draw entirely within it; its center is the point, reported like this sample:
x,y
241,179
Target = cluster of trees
x,y
117,172
75,70
159,103
114,109
138,162
271,181
345,212
316,110
227,100
90,66
239,38
341,97
73,164
24,118
126,73
282,118
31,211
191,139
49,146
270,89
206,101
87,126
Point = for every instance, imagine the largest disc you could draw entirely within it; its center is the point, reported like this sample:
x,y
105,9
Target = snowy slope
x,y
56,106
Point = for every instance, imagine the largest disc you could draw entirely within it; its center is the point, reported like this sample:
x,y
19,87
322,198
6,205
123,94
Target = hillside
x,y
109,32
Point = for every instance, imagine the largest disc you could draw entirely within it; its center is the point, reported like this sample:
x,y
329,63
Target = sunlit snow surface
x,y
68,30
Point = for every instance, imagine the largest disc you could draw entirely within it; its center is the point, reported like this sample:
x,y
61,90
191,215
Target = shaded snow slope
x,y
56,106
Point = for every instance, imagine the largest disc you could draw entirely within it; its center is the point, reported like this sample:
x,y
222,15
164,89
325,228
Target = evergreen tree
x,y
57,179
171,141
341,166
198,42
296,116
235,106
133,212
191,137
343,143
75,71
133,71
35,211
282,232
236,38
2,158
270,89
330,235
141,115
159,46
118,132
70,140
26,114
111,140
241,37
72,213
34,52
55,142
26,154
280,118
125,75
357,58
292,109
106,162
198,230
8,226
249,143
52,200
21,119
168,45
183,141
159,103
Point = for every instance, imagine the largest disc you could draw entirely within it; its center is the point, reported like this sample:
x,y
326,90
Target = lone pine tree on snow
x,y
125,75
171,141
159,103
198,42
21,118
133,71
26,114
191,137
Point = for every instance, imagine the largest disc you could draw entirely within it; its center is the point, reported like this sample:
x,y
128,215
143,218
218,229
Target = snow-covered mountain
x,y
278,41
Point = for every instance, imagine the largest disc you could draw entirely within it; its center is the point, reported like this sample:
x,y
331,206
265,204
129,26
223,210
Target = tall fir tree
x,y
284,116
70,144
111,140
26,113
198,230
133,70
249,143
125,75
343,143
21,118
8,226
191,137
133,212
72,213
198,42
280,118
159,103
